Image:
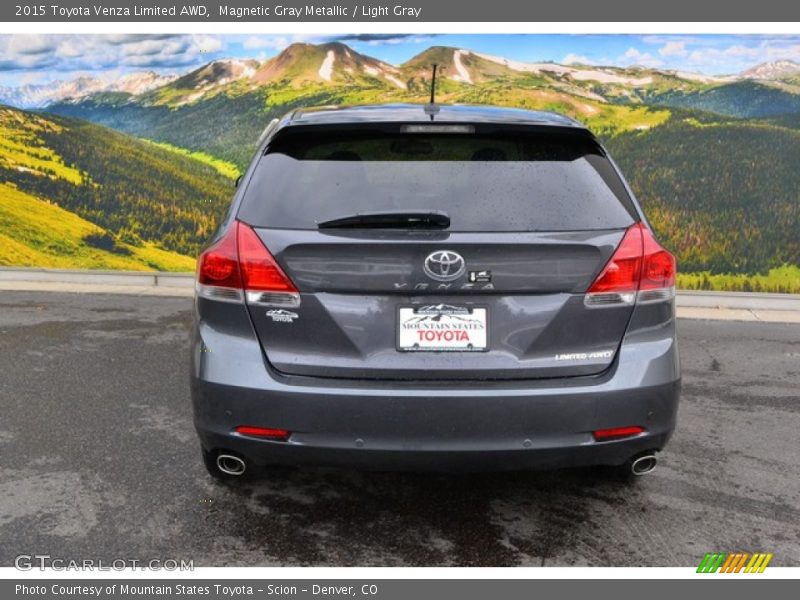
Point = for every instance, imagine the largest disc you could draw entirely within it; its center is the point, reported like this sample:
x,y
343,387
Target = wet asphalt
x,y
98,459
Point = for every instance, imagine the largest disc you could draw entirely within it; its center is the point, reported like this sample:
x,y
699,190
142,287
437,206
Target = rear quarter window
x,y
543,182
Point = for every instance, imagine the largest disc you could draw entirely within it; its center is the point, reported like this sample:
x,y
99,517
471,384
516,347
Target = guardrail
x,y
740,301
86,277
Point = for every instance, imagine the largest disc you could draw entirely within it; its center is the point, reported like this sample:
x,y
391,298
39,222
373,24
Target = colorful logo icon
x,y
734,562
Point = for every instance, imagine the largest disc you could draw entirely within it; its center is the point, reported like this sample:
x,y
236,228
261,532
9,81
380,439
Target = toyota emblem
x,y
444,265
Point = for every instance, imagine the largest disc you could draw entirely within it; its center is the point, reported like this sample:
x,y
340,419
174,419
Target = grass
x,y
223,167
23,150
613,119
602,118
785,279
45,235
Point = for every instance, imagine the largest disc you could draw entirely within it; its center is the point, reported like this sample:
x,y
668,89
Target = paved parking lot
x,y
98,459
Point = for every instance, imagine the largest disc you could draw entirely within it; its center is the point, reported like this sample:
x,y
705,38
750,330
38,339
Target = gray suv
x,y
433,287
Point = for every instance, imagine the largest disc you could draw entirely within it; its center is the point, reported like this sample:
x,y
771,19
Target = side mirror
x,y
237,182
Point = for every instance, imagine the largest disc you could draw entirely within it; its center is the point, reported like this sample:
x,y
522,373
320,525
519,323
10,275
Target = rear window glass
x,y
483,183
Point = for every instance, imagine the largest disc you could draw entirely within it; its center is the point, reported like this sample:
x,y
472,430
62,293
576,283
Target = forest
x,y
132,188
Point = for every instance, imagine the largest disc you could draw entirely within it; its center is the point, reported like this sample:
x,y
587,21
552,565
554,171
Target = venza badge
x,y
444,265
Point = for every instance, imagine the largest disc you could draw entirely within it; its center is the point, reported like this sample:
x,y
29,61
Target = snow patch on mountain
x,y
599,75
777,69
374,71
326,70
395,81
140,82
462,74
603,76
699,77
41,95
511,64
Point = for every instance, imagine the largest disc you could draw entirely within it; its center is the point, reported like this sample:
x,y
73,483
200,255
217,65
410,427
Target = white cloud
x,y
278,43
576,59
31,44
726,54
72,53
69,49
738,57
207,43
673,49
393,41
273,43
635,57
381,39
127,38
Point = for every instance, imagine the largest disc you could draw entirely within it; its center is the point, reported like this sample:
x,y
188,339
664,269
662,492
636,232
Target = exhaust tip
x,y
643,465
231,465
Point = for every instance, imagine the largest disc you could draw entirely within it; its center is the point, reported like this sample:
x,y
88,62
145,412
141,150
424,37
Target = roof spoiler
x,y
267,130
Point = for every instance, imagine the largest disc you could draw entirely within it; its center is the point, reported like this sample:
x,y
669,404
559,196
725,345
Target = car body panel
x,y
352,286
349,398
440,425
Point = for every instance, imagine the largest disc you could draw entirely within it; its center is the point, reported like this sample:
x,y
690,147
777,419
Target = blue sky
x,y
43,58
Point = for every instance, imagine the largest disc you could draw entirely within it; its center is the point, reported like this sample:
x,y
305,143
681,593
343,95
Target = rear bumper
x,y
473,425
429,433
435,429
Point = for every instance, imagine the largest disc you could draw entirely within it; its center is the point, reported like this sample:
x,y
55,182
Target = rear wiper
x,y
411,219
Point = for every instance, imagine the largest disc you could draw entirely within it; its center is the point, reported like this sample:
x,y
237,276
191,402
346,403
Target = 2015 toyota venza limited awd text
x,y
437,287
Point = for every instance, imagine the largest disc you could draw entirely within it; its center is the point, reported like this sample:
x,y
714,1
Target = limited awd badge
x,y
576,356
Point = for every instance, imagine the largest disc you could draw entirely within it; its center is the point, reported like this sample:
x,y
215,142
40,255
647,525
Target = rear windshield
x,y
483,183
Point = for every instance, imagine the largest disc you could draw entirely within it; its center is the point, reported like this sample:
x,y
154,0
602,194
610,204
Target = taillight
x,y
218,275
639,271
658,271
616,433
239,266
269,433
264,280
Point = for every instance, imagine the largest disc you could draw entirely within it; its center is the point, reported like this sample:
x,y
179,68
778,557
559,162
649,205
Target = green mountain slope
x,y
210,79
326,64
138,194
222,126
724,195
745,99
36,233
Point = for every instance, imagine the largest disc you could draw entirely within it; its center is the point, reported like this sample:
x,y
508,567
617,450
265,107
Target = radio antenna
x,y
431,108
433,84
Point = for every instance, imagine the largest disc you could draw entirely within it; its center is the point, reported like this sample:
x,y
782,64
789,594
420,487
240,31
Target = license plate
x,y
441,328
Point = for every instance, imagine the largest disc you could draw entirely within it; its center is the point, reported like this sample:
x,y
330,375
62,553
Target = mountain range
x,y
713,159
337,64
39,96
